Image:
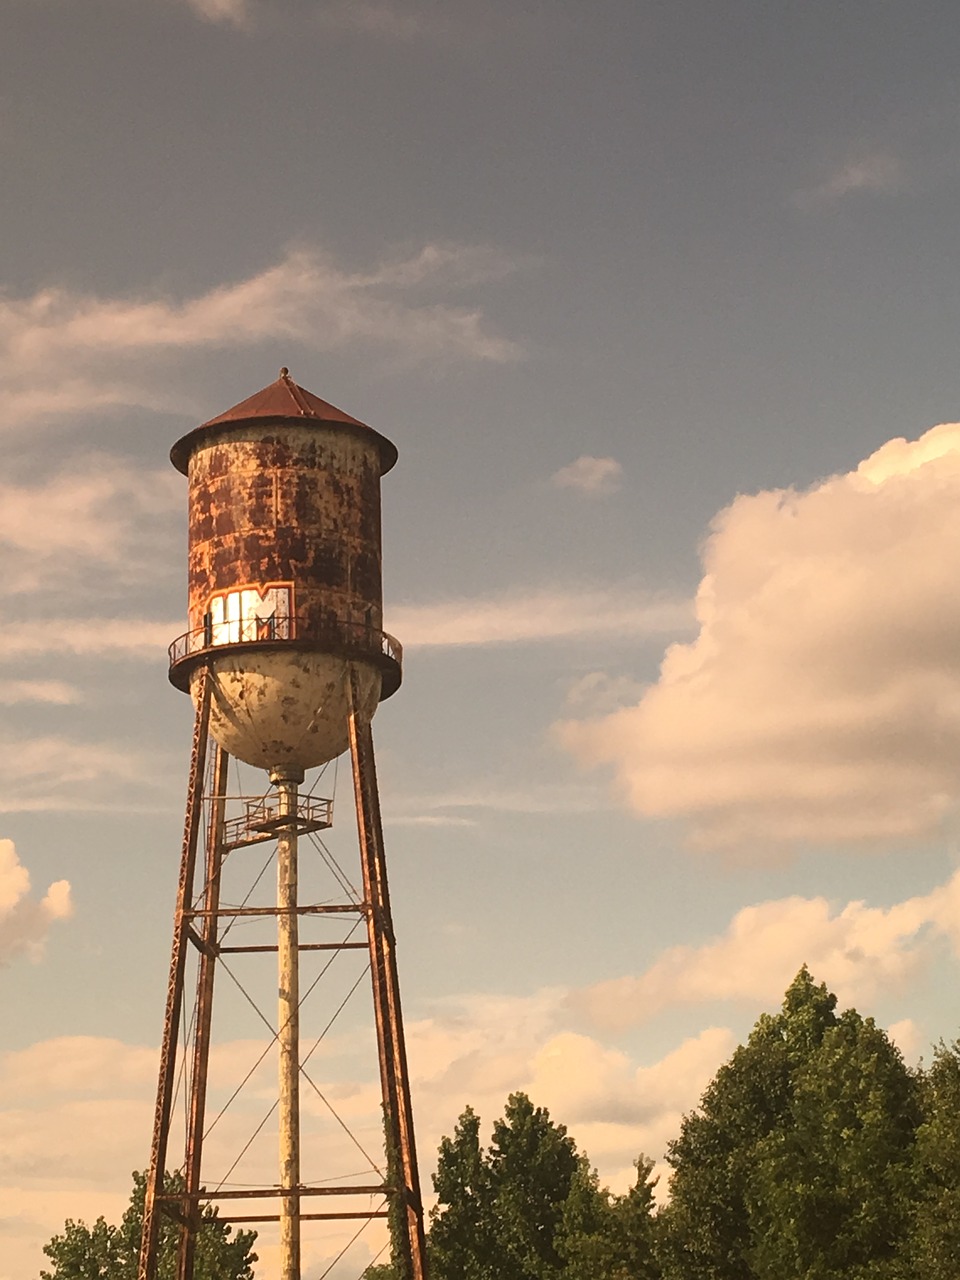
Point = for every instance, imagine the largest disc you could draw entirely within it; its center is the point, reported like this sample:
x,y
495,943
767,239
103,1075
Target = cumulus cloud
x,y
24,919
478,1049
906,1035
858,950
537,615
74,1120
597,692
65,352
820,700
64,1153
594,477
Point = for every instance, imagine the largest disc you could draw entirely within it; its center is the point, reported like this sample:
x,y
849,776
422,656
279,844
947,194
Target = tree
x,y
462,1240
799,1160
105,1252
532,1166
500,1212
934,1240
705,1230
605,1237
830,1193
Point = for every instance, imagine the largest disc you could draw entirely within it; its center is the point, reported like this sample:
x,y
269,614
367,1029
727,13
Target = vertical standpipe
x,y
288,1023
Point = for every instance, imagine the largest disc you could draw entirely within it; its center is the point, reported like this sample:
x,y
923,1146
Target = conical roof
x,y
281,401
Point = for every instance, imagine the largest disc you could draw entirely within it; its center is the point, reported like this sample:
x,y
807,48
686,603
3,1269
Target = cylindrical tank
x,y
285,596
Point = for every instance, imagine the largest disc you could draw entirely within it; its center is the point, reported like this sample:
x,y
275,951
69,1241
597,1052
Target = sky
x,y
659,303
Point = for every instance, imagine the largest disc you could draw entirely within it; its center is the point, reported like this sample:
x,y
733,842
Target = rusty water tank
x,y
285,594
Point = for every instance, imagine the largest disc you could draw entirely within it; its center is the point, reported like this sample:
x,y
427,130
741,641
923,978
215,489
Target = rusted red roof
x,y
284,399
281,400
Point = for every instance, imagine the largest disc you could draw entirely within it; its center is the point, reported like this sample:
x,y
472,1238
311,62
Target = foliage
x,y
605,1237
799,1161
531,1208
399,1267
934,1244
831,1189
105,1252
815,1154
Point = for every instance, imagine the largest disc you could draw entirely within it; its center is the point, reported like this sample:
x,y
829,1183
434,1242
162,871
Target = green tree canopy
x,y
105,1252
934,1246
831,1191
530,1207
798,1162
605,1237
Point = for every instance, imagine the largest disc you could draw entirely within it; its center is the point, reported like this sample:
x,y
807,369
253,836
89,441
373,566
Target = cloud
x,y
879,171
820,700
478,1049
428,820
91,1066
378,19
25,920
135,638
55,773
235,13
102,514
860,951
538,615
63,352
497,797
594,477
906,1035
597,692
75,1110
382,20
55,692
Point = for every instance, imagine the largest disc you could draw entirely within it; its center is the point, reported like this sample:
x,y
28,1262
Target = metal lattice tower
x,y
285,661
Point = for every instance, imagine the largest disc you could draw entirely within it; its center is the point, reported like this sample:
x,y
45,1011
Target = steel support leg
x,y
171,1023
394,1076
208,937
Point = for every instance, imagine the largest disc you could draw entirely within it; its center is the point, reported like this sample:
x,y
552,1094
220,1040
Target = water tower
x,y
286,662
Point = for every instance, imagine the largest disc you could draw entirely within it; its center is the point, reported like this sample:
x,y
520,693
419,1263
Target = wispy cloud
x,y
87,637
393,20
55,773
877,172
102,514
66,352
54,692
445,808
382,19
594,477
540,615
234,13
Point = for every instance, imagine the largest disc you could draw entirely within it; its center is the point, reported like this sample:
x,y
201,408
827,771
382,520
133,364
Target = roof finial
x,y
284,372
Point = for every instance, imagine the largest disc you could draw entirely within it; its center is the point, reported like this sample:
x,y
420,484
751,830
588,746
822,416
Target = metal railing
x,y
261,819
353,638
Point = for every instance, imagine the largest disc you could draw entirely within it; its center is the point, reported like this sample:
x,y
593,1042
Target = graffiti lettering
x,y
250,613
